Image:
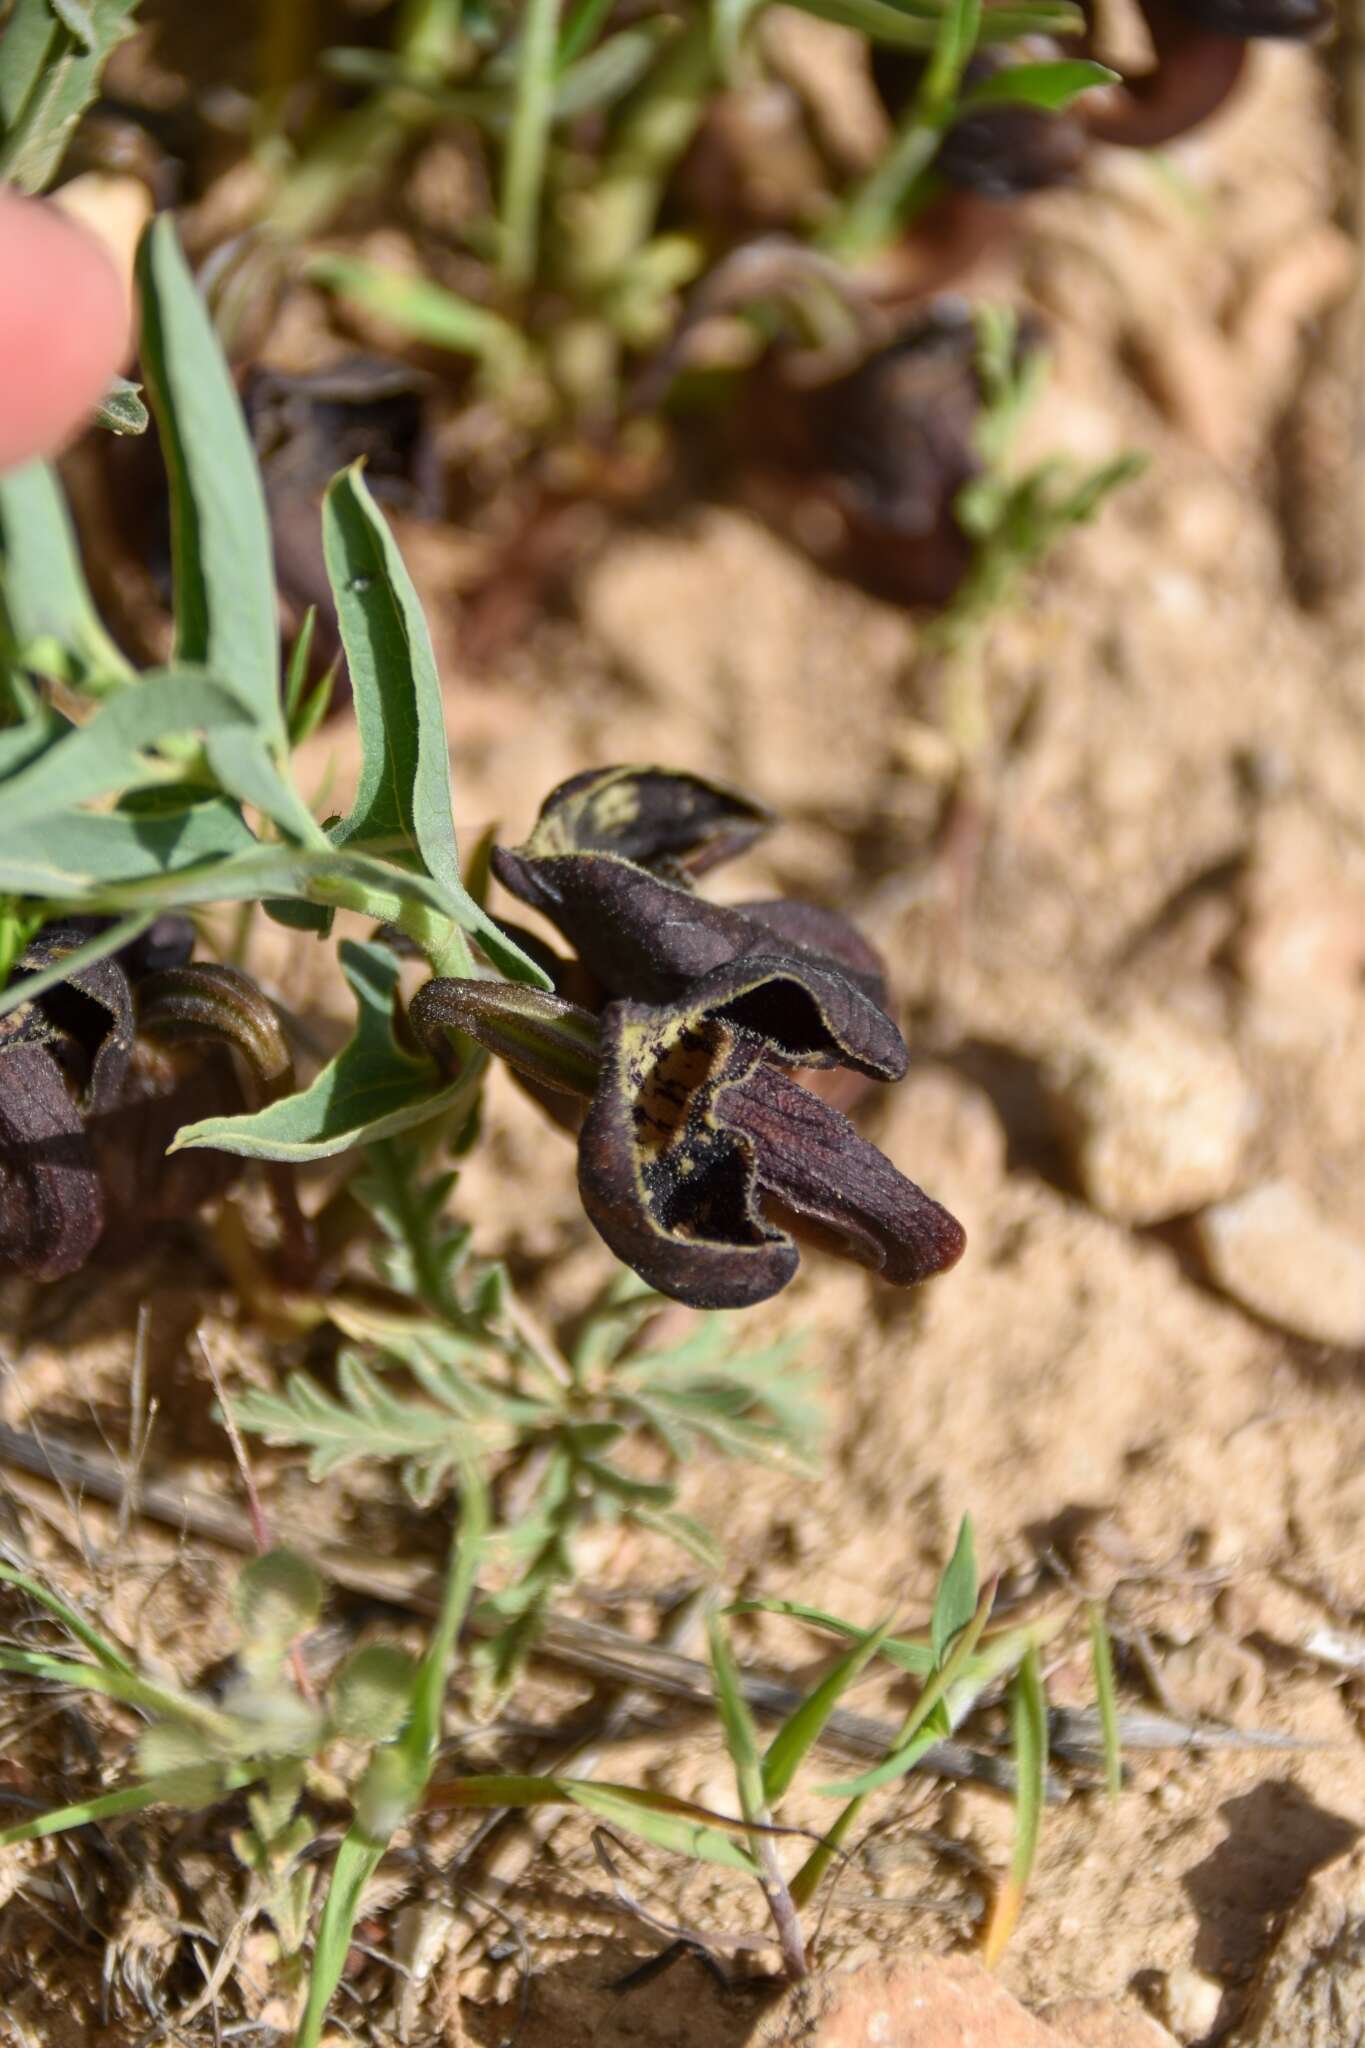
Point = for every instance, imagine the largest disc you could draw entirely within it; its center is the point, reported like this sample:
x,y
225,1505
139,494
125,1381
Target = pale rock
x,y
1277,1255
1099,2023
943,2002
1154,1114
1190,2003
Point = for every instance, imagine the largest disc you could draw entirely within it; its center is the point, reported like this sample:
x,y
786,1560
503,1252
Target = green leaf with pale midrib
x,y
46,595
225,606
404,792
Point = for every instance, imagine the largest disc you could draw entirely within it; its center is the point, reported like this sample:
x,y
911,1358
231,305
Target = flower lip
x,y
696,1148
673,1192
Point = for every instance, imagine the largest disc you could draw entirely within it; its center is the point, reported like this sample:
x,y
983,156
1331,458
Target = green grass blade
x,y
195,1786
71,1619
1052,85
912,1743
528,142
908,1653
356,1862
677,1833
1106,1697
741,1736
423,1731
801,1730
46,596
225,608
425,311
1029,1725
955,1601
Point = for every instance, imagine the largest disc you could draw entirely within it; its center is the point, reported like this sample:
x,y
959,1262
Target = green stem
x,y
528,144
654,128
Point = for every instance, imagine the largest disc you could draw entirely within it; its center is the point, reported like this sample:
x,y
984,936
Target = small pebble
x,y
1276,1254
1189,2003
1154,1114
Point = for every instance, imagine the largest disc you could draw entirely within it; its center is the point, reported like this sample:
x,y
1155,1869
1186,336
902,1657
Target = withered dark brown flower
x,y
93,1088
700,1152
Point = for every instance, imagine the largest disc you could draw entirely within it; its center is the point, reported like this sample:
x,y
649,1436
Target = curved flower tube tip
x,y
206,1000
696,1148
1199,51
548,1041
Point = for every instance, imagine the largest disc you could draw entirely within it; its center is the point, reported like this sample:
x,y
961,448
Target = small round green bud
x,y
371,1696
278,1597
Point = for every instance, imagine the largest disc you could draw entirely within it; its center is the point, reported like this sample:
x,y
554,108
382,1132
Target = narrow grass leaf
x,y
1106,1697
955,1602
802,1729
741,1736
357,1859
424,311
422,1734
1052,85
912,1743
61,1610
1029,1727
196,1786
909,1653
225,607
46,595
680,1835
527,143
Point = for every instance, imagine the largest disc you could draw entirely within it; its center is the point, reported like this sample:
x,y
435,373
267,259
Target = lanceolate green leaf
x,y
955,1600
50,64
91,857
403,802
45,591
795,1738
198,853
107,756
1052,85
225,611
371,1089
196,1786
356,1862
915,27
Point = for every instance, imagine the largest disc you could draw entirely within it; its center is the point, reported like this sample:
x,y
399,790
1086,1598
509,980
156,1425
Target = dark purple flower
x,y
700,1151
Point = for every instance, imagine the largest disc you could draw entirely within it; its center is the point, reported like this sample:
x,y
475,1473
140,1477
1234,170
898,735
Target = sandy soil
x,y
1170,897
